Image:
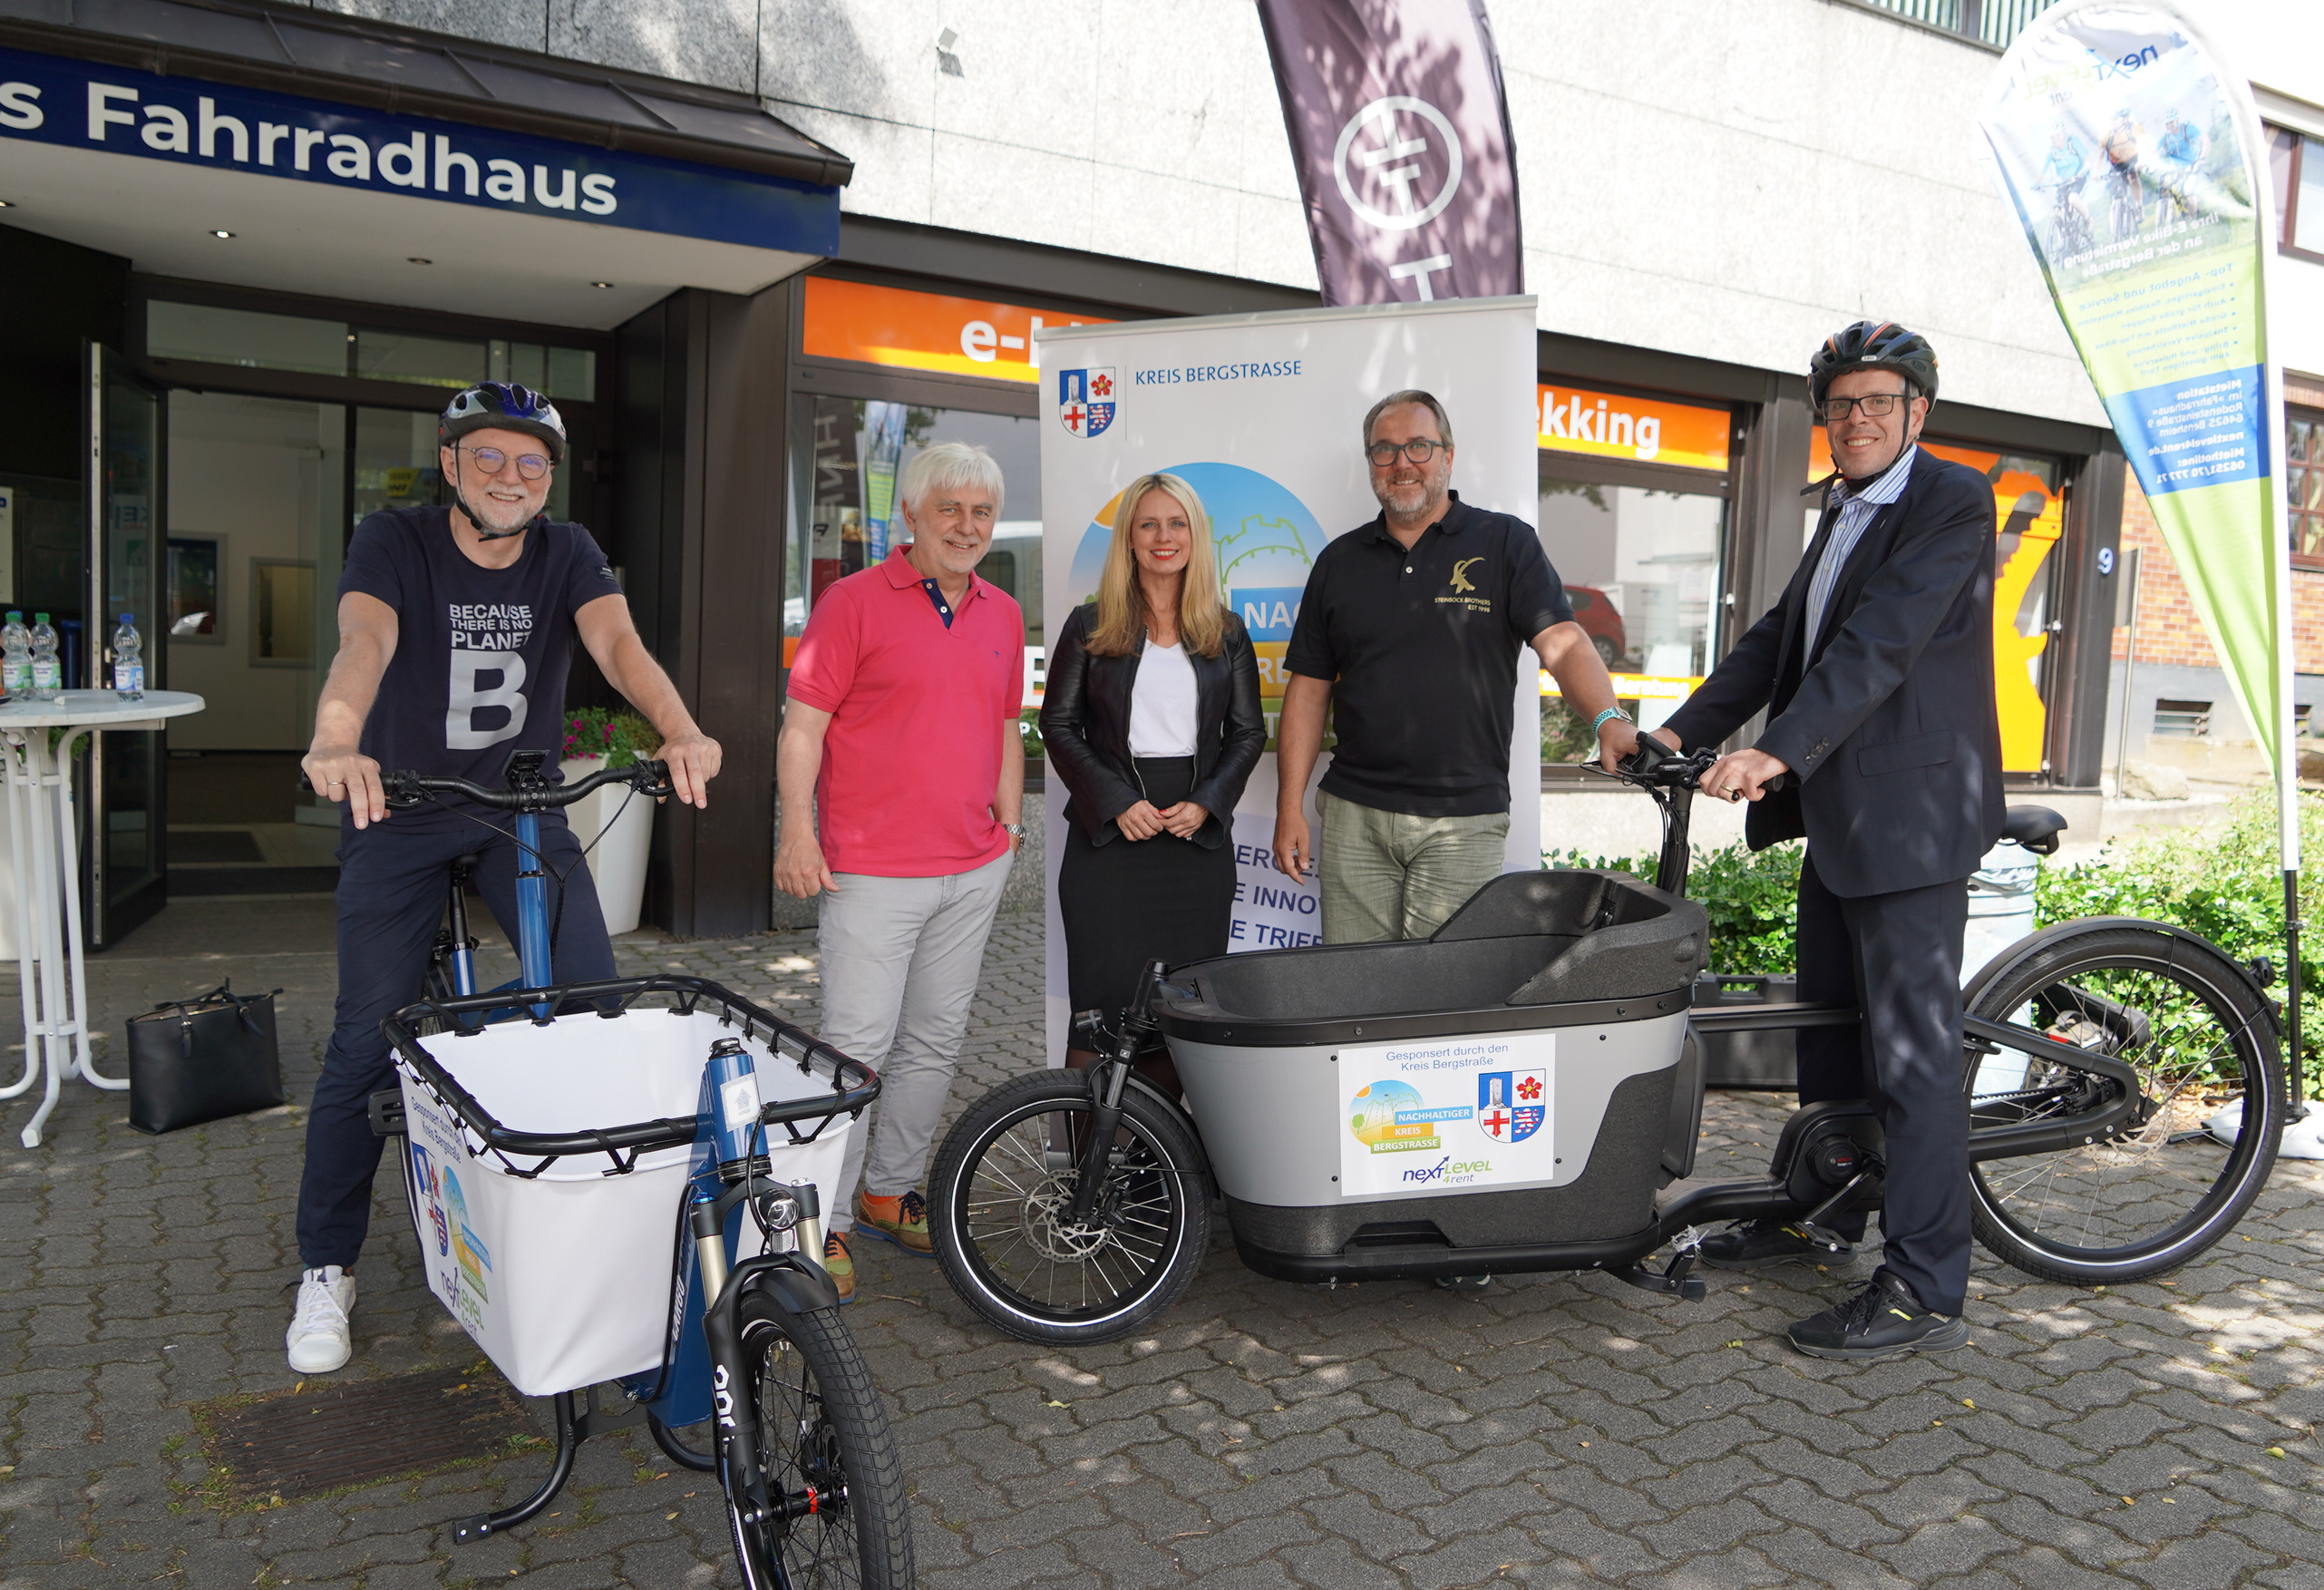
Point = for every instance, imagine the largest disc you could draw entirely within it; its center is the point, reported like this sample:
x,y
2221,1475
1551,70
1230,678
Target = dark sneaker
x,y
839,1266
1462,1283
902,1220
1754,1243
1884,1320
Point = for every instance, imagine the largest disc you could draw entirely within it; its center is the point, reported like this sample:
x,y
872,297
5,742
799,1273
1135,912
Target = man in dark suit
x,y
1882,748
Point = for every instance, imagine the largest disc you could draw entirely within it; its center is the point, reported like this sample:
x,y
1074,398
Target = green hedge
x,y
2222,884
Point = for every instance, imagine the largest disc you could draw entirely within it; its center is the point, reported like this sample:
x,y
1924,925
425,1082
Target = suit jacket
x,y
1890,723
1086,728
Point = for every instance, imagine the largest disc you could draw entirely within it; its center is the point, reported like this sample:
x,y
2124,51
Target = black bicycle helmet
x,y
1869,345
506,406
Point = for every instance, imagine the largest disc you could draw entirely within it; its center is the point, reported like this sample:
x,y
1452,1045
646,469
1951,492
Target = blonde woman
x,y
1151,720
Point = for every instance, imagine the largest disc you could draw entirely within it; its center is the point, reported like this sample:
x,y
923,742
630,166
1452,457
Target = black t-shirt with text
x,y
481,654
1421,648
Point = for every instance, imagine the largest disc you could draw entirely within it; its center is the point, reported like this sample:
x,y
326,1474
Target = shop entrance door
x,y
122,857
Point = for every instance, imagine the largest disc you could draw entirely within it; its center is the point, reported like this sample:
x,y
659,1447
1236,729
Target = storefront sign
x,y
926,331
1263,438
1605,424
80,104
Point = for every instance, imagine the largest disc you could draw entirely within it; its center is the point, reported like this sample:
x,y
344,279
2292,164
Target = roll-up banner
x,y
1263,415
1400,129
2129,149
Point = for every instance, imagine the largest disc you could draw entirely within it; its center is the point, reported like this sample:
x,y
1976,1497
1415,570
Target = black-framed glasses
x,y
493,461
1877,406
1420,450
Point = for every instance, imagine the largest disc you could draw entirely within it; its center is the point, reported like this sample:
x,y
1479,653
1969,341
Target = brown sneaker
x,y
839,1266
900,1220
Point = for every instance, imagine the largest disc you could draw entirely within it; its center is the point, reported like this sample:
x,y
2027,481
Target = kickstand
x,y
1678,1278
572,1429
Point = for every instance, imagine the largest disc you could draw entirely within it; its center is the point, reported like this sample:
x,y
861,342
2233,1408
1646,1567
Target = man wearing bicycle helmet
x,y
456,628
1882,747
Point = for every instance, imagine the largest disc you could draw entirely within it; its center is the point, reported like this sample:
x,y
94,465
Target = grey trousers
x,y
1391,876
899,959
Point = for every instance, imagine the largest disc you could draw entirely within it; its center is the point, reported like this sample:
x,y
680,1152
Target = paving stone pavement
x,y
1554,1432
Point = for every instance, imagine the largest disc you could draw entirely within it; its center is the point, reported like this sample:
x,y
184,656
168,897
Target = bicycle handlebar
x,y
406,790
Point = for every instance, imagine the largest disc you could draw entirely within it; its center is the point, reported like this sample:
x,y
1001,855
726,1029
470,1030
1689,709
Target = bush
x,y
621,737
2221,882
1751,899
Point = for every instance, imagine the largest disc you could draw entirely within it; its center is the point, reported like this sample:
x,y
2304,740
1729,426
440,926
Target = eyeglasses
x,y
493,461
1420,451
1878,406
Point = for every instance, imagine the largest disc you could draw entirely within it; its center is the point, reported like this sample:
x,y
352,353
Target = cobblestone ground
x,y
1554,1432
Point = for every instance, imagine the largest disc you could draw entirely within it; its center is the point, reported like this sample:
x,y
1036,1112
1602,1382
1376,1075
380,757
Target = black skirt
x,y
1125,903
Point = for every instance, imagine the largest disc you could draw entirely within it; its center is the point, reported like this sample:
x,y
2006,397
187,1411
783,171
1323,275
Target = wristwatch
x,y
1016,830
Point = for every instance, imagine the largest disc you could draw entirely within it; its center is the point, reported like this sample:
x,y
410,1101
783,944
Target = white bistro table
x,y
48,877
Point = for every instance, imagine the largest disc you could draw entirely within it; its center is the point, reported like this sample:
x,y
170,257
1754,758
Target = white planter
x,y
617,862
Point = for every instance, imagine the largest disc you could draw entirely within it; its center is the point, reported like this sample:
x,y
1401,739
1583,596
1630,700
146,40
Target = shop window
x,y
282,612
2181,720
568,374
2296,167
246,338
191,594
424,361
2304,482
858,449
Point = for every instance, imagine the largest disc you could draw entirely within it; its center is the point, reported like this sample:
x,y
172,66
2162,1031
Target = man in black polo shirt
x,y
1414,624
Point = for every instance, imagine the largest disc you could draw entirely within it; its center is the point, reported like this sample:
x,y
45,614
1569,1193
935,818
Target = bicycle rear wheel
x,y
2160,1190
826,1451
1000,1212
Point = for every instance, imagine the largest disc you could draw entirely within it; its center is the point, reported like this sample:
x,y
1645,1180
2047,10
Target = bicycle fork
x,y
1107,1081
796,1285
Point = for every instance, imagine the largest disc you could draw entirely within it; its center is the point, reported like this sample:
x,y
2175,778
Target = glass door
x,y
122,878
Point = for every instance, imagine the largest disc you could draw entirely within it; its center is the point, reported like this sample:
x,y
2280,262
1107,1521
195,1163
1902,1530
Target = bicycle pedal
x,y
1830,1241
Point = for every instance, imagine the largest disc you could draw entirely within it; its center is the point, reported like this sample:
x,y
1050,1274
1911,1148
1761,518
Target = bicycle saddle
x,y
2035,827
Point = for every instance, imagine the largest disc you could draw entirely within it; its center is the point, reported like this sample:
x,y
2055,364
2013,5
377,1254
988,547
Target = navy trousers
x,y
393,882
1899,958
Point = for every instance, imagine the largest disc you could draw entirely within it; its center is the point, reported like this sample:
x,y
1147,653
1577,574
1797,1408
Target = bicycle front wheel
x,y
1001,1199
828,1457
2161,1188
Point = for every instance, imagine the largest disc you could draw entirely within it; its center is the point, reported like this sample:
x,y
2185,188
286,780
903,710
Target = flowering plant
x,y
621,737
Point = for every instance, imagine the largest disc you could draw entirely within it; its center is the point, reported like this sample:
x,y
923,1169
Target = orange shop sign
x,y
926,331
1605,424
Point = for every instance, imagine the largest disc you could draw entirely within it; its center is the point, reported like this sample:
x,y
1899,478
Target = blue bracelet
x,y
1598,722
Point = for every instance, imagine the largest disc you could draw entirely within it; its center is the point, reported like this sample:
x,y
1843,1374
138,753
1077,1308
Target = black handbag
x,y
202,1060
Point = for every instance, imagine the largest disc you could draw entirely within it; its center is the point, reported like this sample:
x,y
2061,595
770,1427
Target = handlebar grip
x,y
658,771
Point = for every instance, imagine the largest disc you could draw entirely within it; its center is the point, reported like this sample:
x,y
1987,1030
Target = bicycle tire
x,y
2150,1198
821,1424
993,1205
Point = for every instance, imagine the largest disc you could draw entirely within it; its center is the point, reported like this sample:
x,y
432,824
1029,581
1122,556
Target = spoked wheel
x,y
1002,1219
2160,1189
828,1460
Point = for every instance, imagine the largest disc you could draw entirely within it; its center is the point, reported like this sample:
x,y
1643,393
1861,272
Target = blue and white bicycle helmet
x,y
506,406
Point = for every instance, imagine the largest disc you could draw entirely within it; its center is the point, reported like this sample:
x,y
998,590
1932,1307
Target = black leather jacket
x,y
1086,728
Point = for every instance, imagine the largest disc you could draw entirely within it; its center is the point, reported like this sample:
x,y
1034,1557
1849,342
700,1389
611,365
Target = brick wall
x,y
2168,631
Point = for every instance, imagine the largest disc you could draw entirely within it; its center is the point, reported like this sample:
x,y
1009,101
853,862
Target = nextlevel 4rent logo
x,y
1087,400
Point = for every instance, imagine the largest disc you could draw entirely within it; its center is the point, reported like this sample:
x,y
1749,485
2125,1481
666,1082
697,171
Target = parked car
x,y
1599,621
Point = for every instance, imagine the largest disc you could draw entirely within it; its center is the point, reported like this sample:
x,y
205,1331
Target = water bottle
x,y
16,656
129,660
730,1088
48,678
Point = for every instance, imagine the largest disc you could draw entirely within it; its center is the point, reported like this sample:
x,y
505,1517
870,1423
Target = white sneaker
x,y
317,1337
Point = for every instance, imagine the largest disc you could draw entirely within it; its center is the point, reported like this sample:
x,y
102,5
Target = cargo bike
x,y
1522,1092
618,1191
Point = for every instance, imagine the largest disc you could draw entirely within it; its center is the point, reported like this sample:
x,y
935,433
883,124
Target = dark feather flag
x,y
1400,132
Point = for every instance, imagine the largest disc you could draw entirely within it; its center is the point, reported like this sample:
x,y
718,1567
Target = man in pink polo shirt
x,y
901,737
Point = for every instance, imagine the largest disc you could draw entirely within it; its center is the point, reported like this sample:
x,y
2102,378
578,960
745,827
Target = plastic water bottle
x,y
48,677
129,660
16,656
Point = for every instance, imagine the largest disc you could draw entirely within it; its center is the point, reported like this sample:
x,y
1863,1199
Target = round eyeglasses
x,y
493,461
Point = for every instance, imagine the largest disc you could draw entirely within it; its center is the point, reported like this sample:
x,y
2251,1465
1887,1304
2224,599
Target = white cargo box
x,y
563,1278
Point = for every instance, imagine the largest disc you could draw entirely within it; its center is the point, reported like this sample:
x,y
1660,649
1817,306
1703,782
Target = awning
x,y
351,159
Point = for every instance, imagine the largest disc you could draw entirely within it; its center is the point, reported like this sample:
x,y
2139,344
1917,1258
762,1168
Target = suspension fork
x,y
1107,1081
